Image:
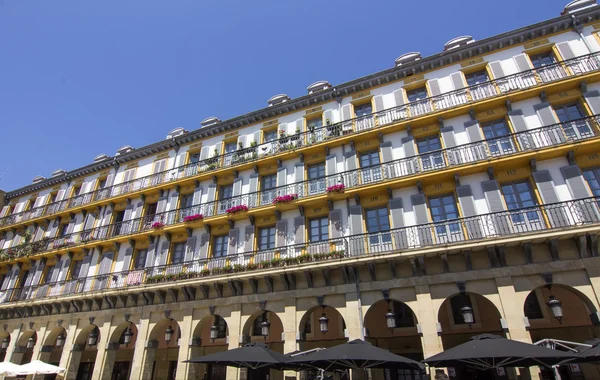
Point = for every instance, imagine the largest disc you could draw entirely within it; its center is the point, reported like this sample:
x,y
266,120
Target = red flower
x,y
158,225
285,198
339,188
234,209
194,217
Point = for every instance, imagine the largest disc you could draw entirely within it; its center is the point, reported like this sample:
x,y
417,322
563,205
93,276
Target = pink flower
x,y
285,198
234,209
191,218
158,225
339,188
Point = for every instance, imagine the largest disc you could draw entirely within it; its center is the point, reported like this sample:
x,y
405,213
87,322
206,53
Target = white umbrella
x,y
8,368
38,367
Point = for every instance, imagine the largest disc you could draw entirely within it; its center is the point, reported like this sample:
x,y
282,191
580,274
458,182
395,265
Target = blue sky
x,y
80,78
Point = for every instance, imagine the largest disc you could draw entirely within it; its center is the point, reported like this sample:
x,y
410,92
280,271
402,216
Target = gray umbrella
x,y
253,355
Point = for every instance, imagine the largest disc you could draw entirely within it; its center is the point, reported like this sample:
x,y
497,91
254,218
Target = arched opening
x,y
209,337
85,350
264,326
321,327
119,352
463,316
572,322
4,343
163,350
392,325
24,349
53,346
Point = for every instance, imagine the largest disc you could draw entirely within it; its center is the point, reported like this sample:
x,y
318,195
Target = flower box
x,y
193,218
285,198
157,225
339,188
234,209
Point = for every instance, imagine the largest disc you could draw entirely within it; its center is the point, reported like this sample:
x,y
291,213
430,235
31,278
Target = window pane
x,y
319,230
269,182
477,77
416,94
363,109
592,177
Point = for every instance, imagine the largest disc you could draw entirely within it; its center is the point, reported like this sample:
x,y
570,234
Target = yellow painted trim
x,y
376,200
491,114
415,85
562,97
316,211
437,189
265,221
588,161
426,131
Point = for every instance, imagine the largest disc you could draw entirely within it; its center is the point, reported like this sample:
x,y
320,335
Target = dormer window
x,y
542,59
417,94
477,77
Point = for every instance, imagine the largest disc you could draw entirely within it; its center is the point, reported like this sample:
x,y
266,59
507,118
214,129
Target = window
x,y
456,303
570,116
140,259
187,200
444,208
363,109
403,314
194,158
314,123
532,307
49,274
76,190
102,183
62,229
219,248
496,133
477,77
542,59
517,196
226,192
76,269
151,209
270,135
178,253
221,327
592,177
430,144
319,229
417,94
266,238
316,179
29,204
316,171
268,184
378,226
230,147
370,165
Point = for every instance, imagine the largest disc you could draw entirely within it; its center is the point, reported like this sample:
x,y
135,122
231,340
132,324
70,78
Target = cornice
x,y
472,50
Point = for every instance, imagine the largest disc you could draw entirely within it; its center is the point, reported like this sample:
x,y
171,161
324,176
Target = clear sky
x,y
79,78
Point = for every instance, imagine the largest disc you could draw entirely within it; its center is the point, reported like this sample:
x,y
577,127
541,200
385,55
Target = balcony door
x,y
316,179
370,167
430,161
498,138
444,214
570,116
378,229
522,205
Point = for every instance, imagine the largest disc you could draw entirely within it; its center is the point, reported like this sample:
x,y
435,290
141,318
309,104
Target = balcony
x,y
533,220
468,95
463,155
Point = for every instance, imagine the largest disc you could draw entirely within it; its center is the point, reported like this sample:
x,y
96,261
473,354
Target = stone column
x,y
107,366
290,328
594,276
141,358
103,364
353,316
513,313
68,356
184,344
427,317
235,330
14,338
41,337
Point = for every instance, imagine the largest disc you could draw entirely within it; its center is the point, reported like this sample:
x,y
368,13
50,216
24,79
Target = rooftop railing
x,y
570,214
515,82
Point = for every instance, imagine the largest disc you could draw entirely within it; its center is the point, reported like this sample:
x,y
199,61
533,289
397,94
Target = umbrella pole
x,y
556,372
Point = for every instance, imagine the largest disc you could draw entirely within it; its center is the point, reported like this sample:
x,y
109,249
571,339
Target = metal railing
x,y
515,82
494,225
543,137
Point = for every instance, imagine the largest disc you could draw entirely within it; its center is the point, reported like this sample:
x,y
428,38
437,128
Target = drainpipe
x,y
579,30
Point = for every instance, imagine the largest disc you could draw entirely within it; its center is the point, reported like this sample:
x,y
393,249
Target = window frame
x,y
219,241
271,233
320,228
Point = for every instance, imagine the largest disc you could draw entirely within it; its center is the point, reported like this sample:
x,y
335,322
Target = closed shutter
x,y
64,268
387,157
173,200
39,233
204,153
190,249
29,278
281,177
454,156
150,257
592,98
256,137
107,215
212,188
38,272
128,213
350,157
466,202
233,241
203,251
164,252
328,115
501,222
237,187
378,101
545,113
335,224
248,239
473,131
5,211
523,63
356,220
162,205
106,263
346,112
517,119
253,183
90,219
458,80
565,50
587,208
281,233
197,198
497,70
556,213
84,271
109,180
13,273
55,271
299,178
424,230
159,167
127,259
218,148
330,170
71,226
434,87
399,233
299,230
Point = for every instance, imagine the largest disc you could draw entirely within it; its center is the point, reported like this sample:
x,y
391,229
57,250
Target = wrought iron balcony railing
x,y
570,214
515,82
481,151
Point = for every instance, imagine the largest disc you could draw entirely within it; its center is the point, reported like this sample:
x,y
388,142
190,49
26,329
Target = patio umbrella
x,y
356,354
488,351
253,355
8,368
38,367
588,354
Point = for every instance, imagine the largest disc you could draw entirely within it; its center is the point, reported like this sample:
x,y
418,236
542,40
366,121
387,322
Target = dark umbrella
x,y
588,354
253,355
356,354
488,351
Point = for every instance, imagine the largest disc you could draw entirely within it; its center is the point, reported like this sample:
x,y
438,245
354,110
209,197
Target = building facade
x,y
465,182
